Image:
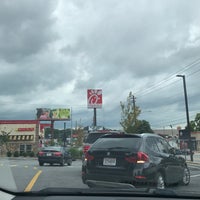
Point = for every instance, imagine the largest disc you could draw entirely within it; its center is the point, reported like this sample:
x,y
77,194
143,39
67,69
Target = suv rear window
x,y
92,137
132,143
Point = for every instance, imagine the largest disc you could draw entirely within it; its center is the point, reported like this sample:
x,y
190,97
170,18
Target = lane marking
x,y
33,181
13,165
192,176
194,167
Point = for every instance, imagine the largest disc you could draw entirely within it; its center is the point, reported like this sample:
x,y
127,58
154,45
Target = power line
x,y
169,79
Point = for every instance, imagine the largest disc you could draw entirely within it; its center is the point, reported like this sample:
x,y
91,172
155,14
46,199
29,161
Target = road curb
x,y
190,162
22,158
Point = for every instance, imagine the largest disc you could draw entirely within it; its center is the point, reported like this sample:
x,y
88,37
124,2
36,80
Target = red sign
x,y
25,129
94,98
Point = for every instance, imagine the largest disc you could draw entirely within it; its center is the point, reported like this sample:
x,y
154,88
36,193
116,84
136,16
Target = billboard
x,y
53,114
94,98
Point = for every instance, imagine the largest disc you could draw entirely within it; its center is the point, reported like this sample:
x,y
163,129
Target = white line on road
x,y
13,165
196,175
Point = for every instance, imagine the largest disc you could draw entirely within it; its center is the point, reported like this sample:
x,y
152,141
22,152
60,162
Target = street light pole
x,y
172,130
187,115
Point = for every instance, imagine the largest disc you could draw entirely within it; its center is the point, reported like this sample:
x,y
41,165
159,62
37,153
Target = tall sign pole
x,y
52,131
95,117
64,135
94,100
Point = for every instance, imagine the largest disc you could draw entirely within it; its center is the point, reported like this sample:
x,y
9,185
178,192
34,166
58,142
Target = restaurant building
x,y
23,135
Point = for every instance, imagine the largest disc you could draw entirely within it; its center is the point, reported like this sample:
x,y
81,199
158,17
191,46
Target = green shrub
x,y
75,153
31,154
16,154
80,153
9,153
24,154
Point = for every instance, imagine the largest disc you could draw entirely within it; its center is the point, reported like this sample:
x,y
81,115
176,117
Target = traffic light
x,y
183,134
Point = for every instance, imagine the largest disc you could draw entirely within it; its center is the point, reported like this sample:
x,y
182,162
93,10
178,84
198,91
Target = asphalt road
x,y
24,174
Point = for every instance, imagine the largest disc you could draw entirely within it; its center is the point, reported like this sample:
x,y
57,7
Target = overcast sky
x,y
51,52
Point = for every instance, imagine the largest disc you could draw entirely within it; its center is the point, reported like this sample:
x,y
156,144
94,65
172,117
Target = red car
x,y
93,136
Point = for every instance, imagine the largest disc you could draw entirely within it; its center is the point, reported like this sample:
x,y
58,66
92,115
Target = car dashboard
x,y
95,195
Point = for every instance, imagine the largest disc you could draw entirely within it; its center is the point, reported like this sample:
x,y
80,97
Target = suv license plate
x,y
109,161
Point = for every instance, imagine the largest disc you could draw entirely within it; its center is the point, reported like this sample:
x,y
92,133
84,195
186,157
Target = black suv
x,y
135,159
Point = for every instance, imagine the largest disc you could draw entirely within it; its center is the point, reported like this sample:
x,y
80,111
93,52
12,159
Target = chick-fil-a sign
x,y
94,98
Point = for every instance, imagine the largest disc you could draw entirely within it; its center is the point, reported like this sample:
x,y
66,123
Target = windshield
x,y
72,71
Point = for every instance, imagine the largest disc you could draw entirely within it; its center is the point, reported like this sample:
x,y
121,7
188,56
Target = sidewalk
x,y
196,158
18,158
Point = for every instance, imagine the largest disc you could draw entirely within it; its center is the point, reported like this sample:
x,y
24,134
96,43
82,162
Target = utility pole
x,y
171,130
134,108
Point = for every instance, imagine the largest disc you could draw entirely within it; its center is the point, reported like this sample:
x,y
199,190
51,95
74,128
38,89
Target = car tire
x,y
186,176
62,163
41,163
84,179
69,163
160,181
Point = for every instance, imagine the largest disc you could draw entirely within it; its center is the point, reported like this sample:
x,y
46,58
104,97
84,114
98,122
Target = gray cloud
x,y
51,52
25,28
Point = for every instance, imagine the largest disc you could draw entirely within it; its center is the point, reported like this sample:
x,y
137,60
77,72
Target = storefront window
x,y
28,148
22,148
25,148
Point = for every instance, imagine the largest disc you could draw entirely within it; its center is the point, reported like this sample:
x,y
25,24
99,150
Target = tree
x,y
195,124
129,117
4,139
80,136
142,126
129,113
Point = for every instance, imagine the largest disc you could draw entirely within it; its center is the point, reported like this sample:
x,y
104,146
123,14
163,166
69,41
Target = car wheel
x,y
69,163
41,163
62,163
84,179
186,176
160,181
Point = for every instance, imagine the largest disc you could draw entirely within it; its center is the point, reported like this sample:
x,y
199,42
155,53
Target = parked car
x,y
53,155
135,159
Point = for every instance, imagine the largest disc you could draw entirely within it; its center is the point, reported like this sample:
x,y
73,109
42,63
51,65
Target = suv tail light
x,y
141,157
88,157
57,154
86,148
40,153
131,159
